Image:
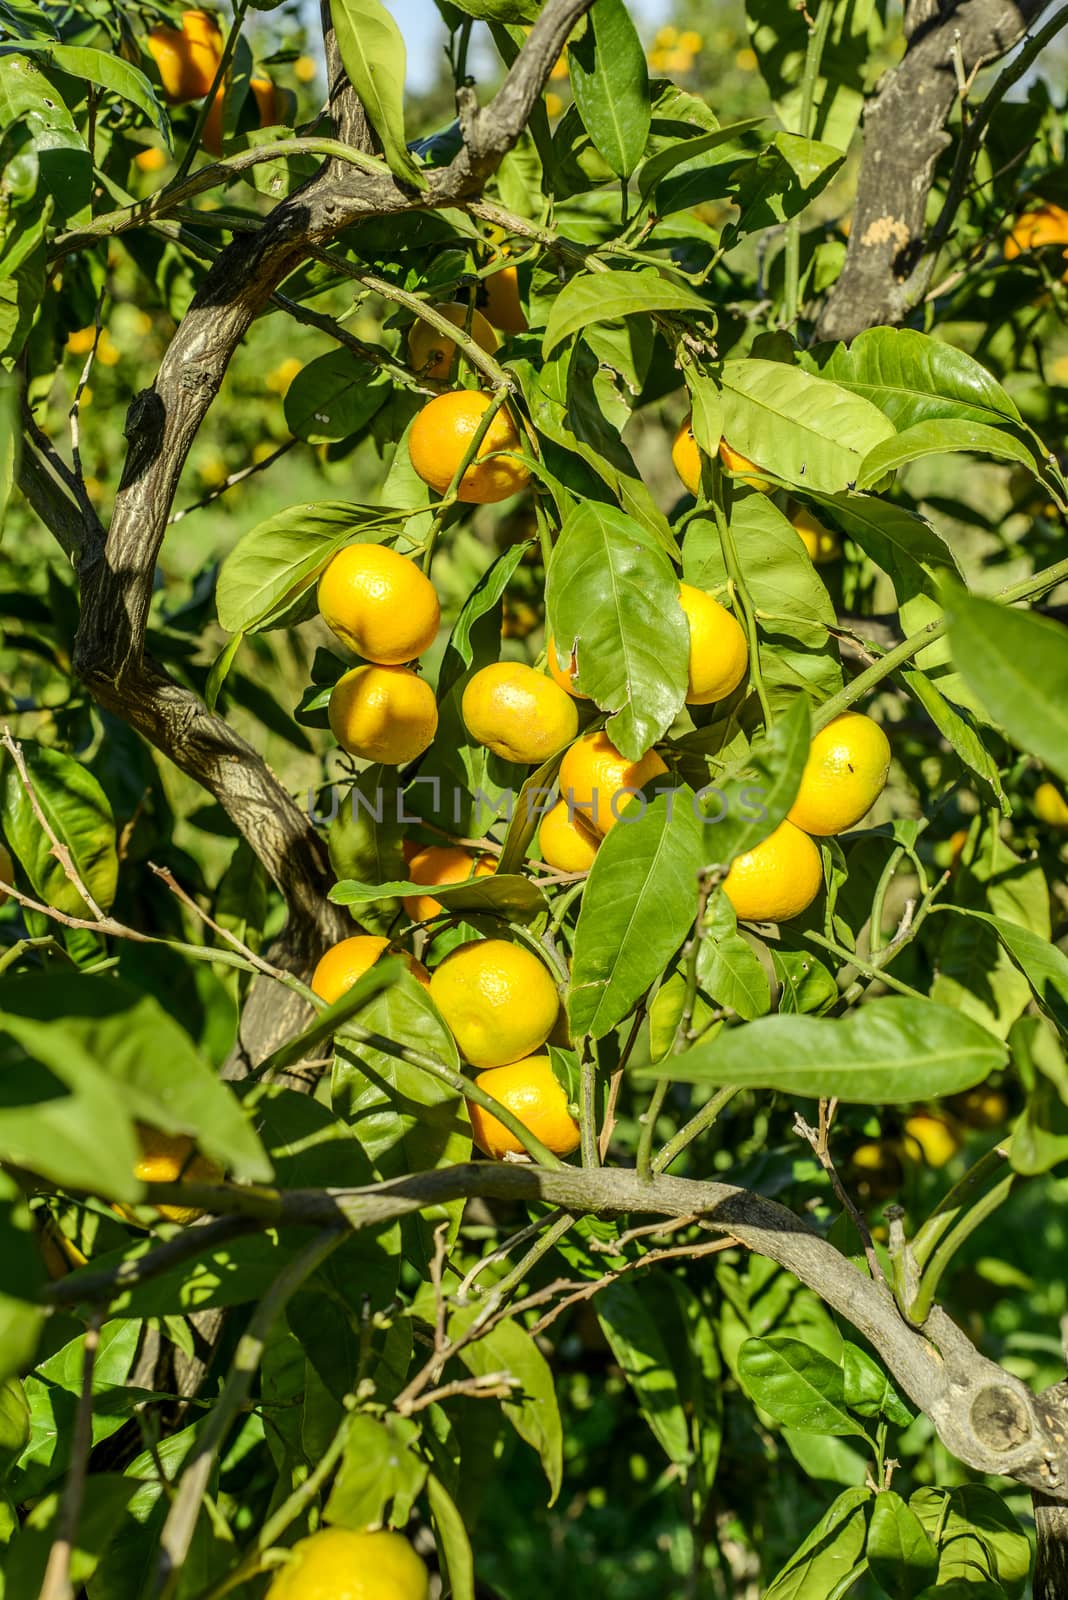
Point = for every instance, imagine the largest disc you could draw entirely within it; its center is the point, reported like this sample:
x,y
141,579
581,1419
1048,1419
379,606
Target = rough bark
x,y
904,135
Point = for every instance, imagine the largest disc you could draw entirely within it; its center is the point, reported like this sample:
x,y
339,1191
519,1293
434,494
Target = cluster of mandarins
x,y
187,59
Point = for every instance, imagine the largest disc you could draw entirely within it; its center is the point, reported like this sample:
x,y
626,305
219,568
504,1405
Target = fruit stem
x,y
817,39
741,589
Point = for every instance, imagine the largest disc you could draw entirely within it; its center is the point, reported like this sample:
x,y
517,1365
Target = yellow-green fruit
x,y
1050,806
823,544
379,603
337,1564
776,880
599,782
498,1000
937,1137
519,714
431,353
566,842
844,775
385,714
719,655
531,1091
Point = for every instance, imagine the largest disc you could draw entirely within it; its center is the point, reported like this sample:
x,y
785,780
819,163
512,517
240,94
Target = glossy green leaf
x,y
781,182
106,1499
910,551
279,560
807,431
107,71
796,1385
612,597
978,1537
334,396
378,1468
635,1339
787,591
373,53
79,814
827,1563
454,1546
604,296
805,983
728,968
780,38
610,83
743,810
640,900
915,378
900,1553
1043,964
688,154
1017,664
10,440
868,1390
888,1052
945,436
957,727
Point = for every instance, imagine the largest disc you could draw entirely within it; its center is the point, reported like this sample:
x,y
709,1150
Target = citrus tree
x,y
532,1012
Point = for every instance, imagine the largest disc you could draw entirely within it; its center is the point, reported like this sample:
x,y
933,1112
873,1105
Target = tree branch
x,y
904,135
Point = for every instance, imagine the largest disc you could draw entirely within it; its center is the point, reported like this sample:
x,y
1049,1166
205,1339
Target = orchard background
x,y
787,1315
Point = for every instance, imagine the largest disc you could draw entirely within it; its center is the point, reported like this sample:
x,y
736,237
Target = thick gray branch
x,y
904,135
984,1415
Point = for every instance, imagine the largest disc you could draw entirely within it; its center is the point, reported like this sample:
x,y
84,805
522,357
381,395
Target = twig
x,y
57,1581
231,481
108,1283
75,412
257,961
587,1292
819,1141
500,1252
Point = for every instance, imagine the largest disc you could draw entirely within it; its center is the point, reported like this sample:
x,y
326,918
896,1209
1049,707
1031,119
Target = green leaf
x,y
1043,965
466,639
887,1053
107,71
610,82
780,39
781,182
634,1336
744,810
334,396
511,897
1017,664
612,596
78,811
978,1537
685,155
374,57
805,983
10,440
279,560
52,1391
728,969
379,1470
912,554
868,1390
454,1546
900,1553
21,1277
956,725
103,1508
796,1385
827,1563
942,437
914,378
788,593
640,900
809,432
604,296
220,670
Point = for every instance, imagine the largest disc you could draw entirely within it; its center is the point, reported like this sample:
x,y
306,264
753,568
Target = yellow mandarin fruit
x,y
1047,224
719,655
7,871
441,435
983,1108
263,92
823,544
937,1137
338,1564
1050,806
503,306
345,962
566,842
379,603
844,775
690,41
497,998
742,467
151,160
560,68
686,458
562,670
305,69
81,341
877,1166
519,714
553,104
665,37
211,135
430,352
279,380
531,1091
168,1158
385,714
187,58
441,863
599,783
957,841
776,880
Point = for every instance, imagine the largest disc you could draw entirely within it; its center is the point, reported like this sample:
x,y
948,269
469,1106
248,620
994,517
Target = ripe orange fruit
x,y
151,160
743,467
503,307
187,58
776,880
531,1091
266,98
211,135
562,670
441,863
441,435
498,1000
167,1158
379,603
7,871
823,544
719,655
686,458
1047,224
519,714
567,844
337,1564
345,962
937,1137
844,775
1050,806
385,714
596,780
430,353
